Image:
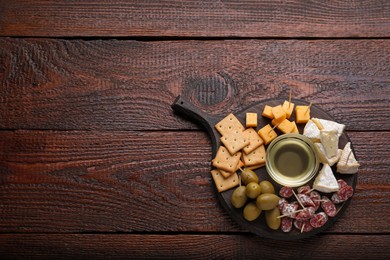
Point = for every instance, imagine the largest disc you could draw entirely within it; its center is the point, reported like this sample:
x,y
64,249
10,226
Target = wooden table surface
x,y
94,162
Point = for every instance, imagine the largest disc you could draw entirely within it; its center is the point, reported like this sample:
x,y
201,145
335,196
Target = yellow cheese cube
x,y
288,108
267,112
251,119
278,112
276,122
267,134
285,126
295,129
302,114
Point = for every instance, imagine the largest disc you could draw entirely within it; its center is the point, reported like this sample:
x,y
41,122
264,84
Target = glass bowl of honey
x,y
291,160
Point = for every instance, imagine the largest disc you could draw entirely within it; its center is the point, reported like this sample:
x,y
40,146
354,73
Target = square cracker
x,y
229,124
256,157
254,140
225,161
223,184
227,174
235,141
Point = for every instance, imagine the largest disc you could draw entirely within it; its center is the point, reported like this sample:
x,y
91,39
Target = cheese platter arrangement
x,y
283,169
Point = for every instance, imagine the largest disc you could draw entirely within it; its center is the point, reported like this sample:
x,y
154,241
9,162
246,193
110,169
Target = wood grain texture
x,y
285,18
95,164
130,85
61,182
184,246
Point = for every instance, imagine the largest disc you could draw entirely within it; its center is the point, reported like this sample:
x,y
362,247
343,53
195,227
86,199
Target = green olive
x,y
267,201
239,198
248,176
252,190
251,211
267,187
271,218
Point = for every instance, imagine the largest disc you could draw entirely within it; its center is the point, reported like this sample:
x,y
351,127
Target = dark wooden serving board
x,y
259,227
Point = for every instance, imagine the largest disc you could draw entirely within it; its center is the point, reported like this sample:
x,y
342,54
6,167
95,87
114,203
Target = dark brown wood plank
x,y
140,181
130,85
196,18
191,246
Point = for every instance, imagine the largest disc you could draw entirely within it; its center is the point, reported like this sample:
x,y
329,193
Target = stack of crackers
x,y
241,147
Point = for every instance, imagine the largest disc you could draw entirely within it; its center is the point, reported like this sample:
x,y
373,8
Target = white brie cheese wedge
x,y
347,163
325,181
330,141
335,159
315,121
322,155
331,125
311,131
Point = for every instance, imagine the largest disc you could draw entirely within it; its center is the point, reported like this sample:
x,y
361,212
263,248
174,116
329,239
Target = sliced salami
x,y
306,200
345,192
303,225
286,192
316,198
286,224
281,204
304,189
306,226
328,207
318,220
325,199
296,204
336,199
341,183
305,214
311,210
290,210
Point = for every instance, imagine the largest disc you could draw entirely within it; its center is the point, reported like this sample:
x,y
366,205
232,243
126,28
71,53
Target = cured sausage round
x,y
342,194
281,204
303,225
305,214
286,192
290,210
318,220
345,192
305,200
304,189
336,199
341,183
328,207
316,198
286,224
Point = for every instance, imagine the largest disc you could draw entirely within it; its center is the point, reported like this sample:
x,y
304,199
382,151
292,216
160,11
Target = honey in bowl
x,y
291,160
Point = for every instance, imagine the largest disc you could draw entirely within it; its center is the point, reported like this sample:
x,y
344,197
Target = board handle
x,y
186,108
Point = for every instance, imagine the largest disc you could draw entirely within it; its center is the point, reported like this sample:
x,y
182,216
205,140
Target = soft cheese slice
x,y
335,159
331,125
325,181
322,155
347,163
315,120
330,141
311,131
